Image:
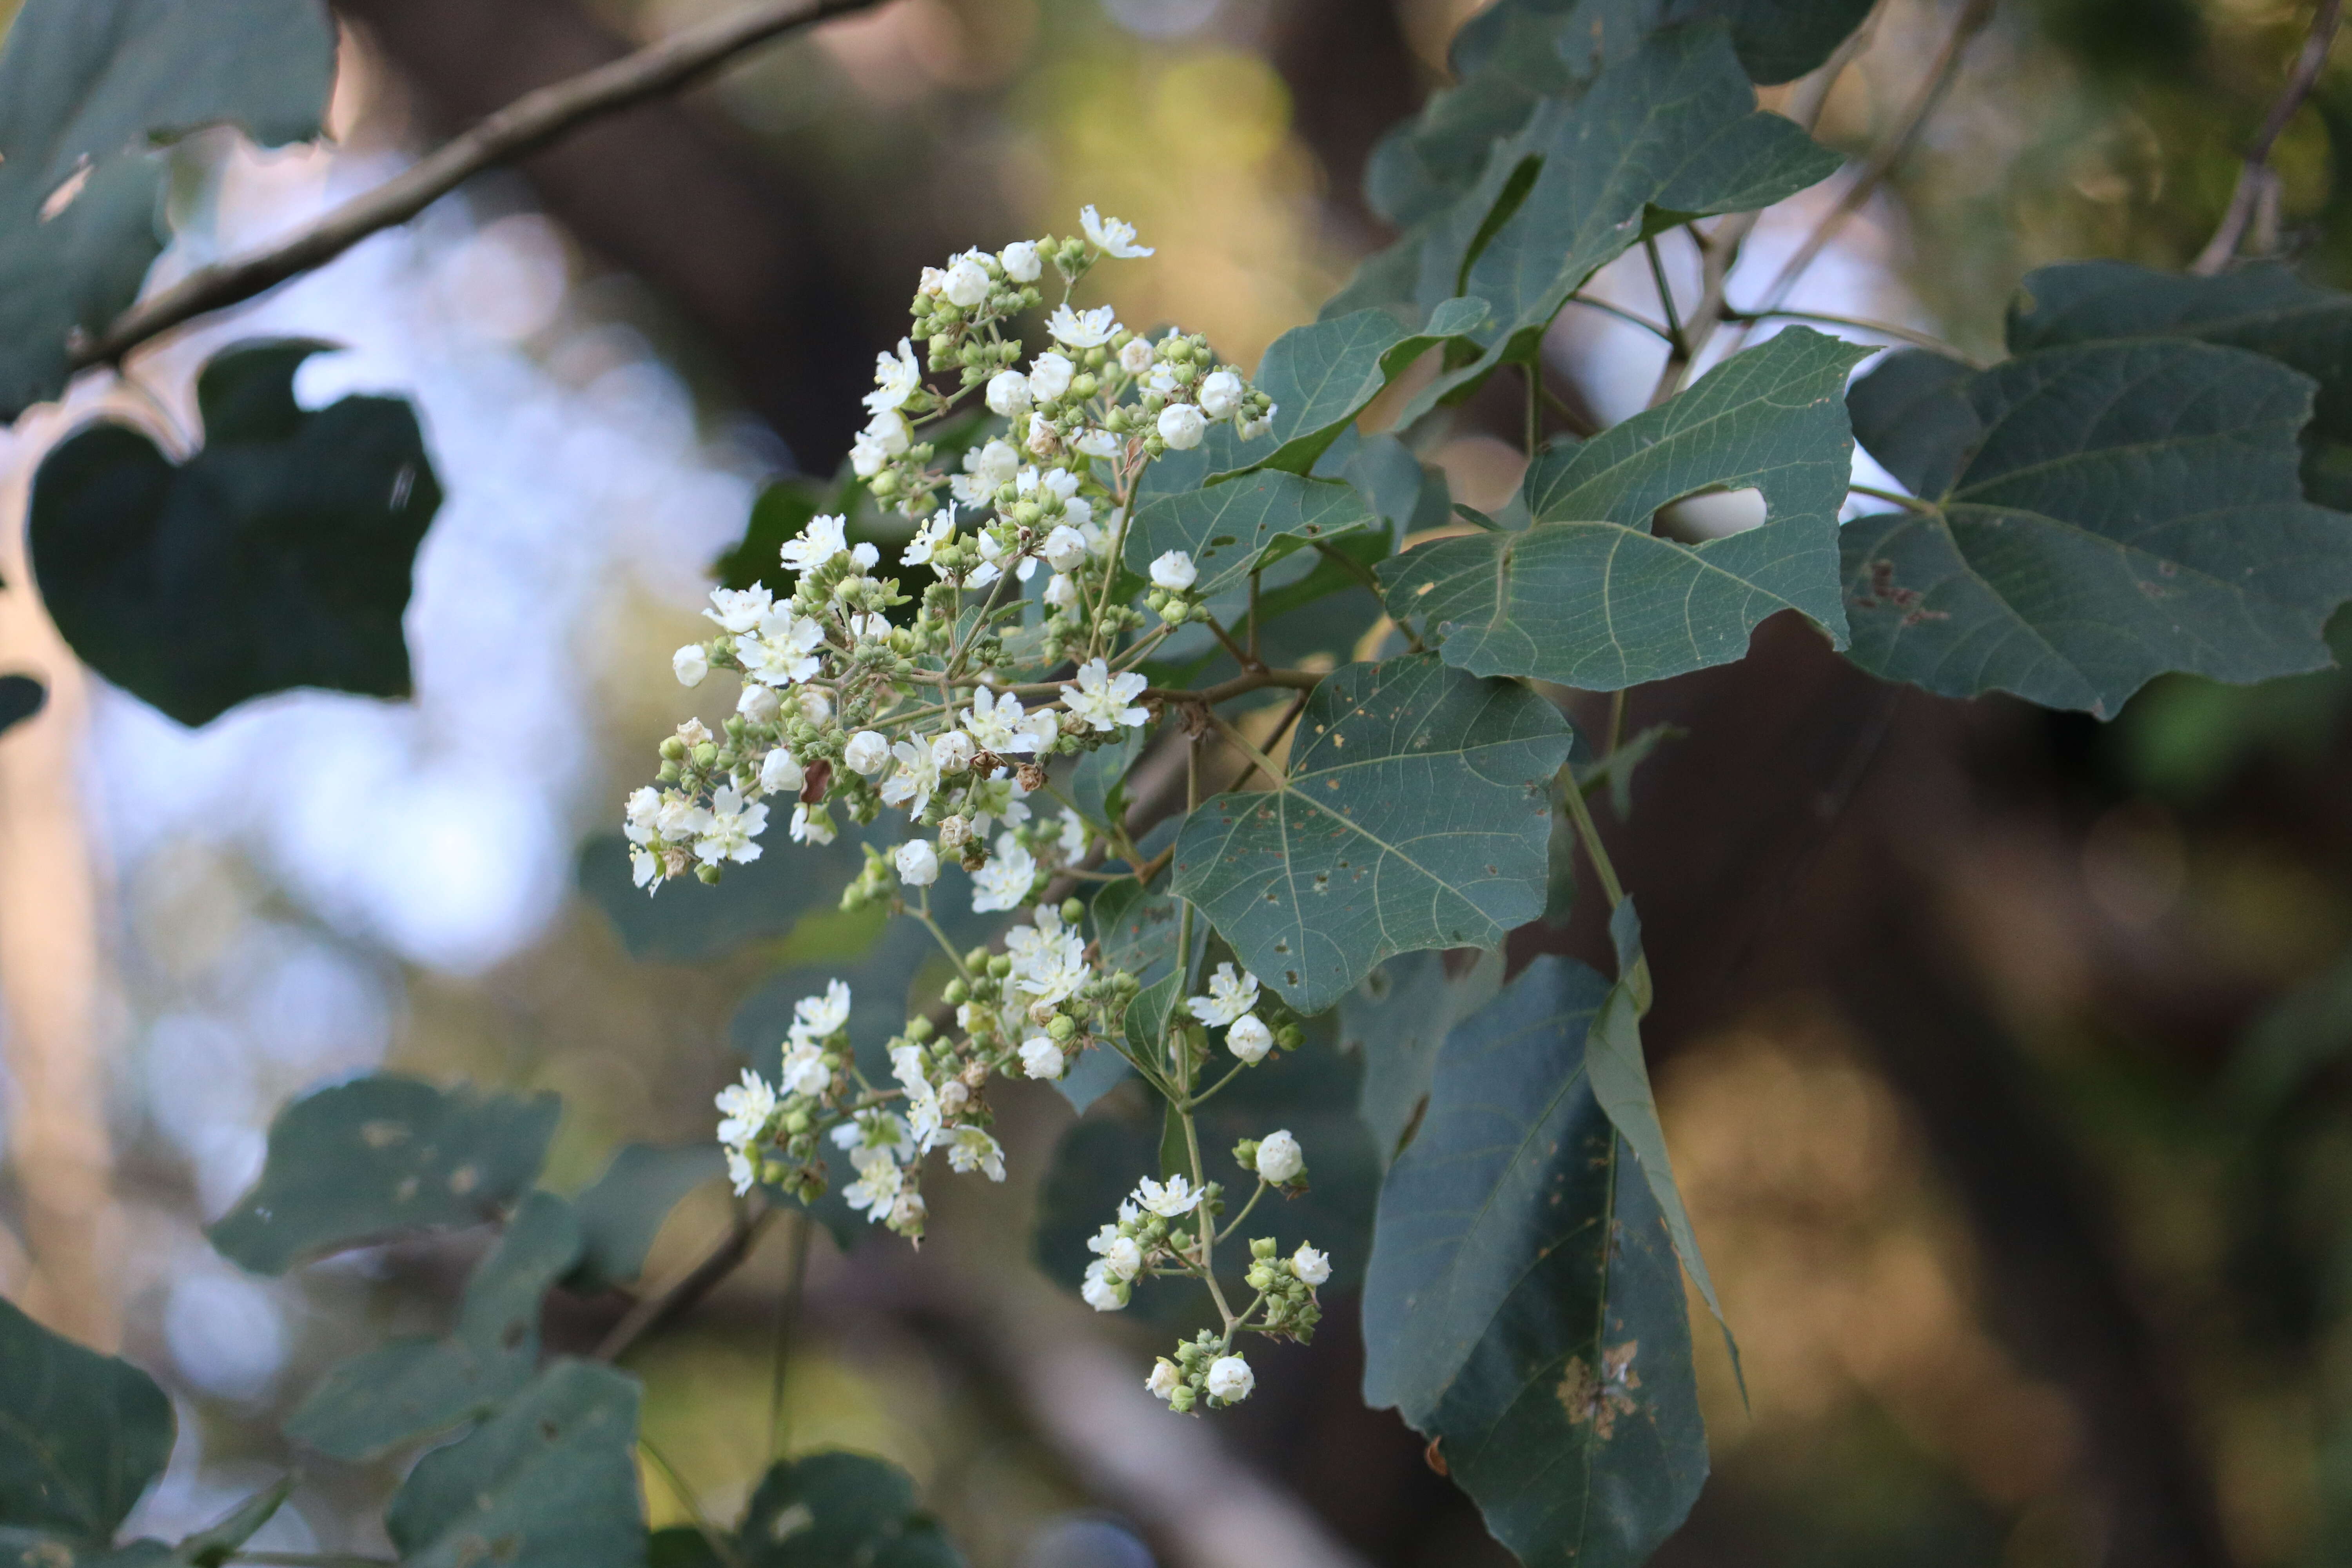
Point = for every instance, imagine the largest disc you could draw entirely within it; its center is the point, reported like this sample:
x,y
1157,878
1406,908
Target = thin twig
x,y
524,126
2255,174
1927,340
691,1287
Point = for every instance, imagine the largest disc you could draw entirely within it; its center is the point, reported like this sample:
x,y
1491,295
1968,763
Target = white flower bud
x,y
1125,1259
1020,262
1100,1291
919,865
760,704
1041,1057
1175,572
1229,1379
966,284
690,664
1065,549
1135,358
1279,1157
1249,1038
954,833
951,753
1221,394
780,773
1008,393
1181,426
1164,1379
867,752
1049,376
1310,1265
1061,592
815,706
1251,430
996,464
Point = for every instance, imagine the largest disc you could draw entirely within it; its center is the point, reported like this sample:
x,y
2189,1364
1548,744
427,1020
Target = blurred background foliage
x,y
2146,927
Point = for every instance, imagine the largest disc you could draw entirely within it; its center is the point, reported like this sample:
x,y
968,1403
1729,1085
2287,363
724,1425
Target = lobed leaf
x,y
1523,1307
550,1481
835,1507
81,1437
1397,1020
1415,814
279,556
2094,516
379,1156
88,90
1322,374
622,1211
1589,596
1233,528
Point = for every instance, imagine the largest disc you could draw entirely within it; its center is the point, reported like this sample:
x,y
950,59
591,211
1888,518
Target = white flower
x,y
734,825
918,863
1041,1057
740,1172
967,281
1100,1291
907,1213
1072,838
938,531
951,753
1162,381
867,752
1221,394
679,818
1048,965
1136,357
953,832
1249,1038
885,436
644,807
1049,376
1175,572
1230,997
1279,1157
994,719
815,705
1064,551
866,554
690,664
922,1102
971,1148
1163,1381
810,827
759,703
1096,442
1251,430
1124,1258
1089,329
933,282
877,1185
1181,426
1115,238
1176,1197
1008,393
911,784
896,379
1102,700
1019,261
1003,883
1061,592
819,541
745,1108
814,1018
780,773
1045,439
739,609
872,628
785,650
803,1069
994,464
1229,1379
1310,1265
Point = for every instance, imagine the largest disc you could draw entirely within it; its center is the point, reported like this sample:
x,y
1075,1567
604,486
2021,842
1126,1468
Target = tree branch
x,y
530,122
697,1282
2254,174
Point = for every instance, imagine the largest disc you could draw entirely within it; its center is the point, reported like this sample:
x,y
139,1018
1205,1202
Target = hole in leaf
x,y
1694,519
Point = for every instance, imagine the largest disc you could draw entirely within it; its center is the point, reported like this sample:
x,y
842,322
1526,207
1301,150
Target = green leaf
x,y
1779,40
215,1543
1233,528
1397,1019
1523,1306
412,1388
623,1210
1671,128
279,556
1096,780
380,1155
832,1509
2263,307
769,897
2095,515
1322,374
87,87
1311,1092
81,1435
1416,814
682,1546
550,1481
1589,596
21,697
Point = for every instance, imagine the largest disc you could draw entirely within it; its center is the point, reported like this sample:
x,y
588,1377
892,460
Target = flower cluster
x,y
1232,1005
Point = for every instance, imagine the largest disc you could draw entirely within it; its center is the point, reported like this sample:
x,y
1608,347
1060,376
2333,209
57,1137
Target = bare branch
x,y
653,1311
527,124
2255,177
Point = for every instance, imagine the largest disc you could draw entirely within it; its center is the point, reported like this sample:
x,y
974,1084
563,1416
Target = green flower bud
x,y
918,1030
705,754
1062,1029
1262,1247
955,993
1073,911
672,750
708,874
1290,1036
